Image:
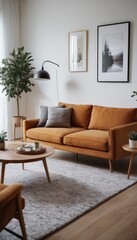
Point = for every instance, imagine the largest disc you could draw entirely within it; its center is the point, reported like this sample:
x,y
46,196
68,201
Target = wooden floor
x,y
116,219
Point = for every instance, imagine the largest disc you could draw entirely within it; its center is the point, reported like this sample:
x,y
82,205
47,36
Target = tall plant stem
x,y
18,112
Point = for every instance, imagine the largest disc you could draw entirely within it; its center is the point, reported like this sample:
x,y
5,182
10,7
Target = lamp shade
x,y
42,73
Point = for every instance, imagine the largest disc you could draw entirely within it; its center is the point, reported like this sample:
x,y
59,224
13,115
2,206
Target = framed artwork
x,y
78,44
113,52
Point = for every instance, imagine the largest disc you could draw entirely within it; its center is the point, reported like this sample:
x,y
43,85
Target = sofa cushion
x,y
59,117
104,118
44,115
54,135
94,139
80,114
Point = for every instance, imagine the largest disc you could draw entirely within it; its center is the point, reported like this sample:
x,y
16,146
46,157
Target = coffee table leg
x,y
2,171
46,168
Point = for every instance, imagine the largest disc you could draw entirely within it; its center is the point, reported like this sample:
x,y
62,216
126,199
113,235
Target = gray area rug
x,y
75,188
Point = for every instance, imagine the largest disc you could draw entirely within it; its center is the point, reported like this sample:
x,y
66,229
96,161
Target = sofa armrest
x,y
8,193
118,136
27,124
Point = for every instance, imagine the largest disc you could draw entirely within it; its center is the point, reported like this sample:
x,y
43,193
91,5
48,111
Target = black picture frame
x,y
113,45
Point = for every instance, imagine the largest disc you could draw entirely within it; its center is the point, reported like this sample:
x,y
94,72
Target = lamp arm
x,y
49,62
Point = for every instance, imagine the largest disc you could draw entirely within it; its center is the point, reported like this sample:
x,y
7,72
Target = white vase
x,y
132,143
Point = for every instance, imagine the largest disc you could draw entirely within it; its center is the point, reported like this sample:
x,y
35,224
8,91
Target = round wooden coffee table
x,y
9,155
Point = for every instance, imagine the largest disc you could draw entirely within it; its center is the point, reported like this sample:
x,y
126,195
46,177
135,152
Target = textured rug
x,y
75,189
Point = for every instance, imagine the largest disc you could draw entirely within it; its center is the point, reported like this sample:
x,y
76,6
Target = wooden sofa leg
x,y
110,166
77,157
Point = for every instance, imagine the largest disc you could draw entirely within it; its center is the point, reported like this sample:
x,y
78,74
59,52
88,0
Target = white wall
x,y
45,27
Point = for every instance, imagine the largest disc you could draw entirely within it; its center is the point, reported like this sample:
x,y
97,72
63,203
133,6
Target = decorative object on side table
x,y
3,138
133,139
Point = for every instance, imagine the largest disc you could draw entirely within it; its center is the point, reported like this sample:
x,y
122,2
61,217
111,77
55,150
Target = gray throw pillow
x,y
59,117
44,115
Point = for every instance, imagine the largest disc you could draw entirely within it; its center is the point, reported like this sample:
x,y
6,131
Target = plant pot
x,y
17,120
132,143
2,145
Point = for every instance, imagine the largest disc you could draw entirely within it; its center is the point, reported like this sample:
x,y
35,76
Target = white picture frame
x,y
78,51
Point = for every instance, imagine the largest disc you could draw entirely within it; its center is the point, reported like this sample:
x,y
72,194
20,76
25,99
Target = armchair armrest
x,y
8,193
118,136
27,124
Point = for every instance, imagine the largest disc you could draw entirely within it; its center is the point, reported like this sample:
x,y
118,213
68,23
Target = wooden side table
x,y
133,152
17,122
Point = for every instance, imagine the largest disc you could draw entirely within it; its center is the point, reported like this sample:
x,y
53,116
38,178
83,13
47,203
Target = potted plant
x,y
133,139
3,138
15,76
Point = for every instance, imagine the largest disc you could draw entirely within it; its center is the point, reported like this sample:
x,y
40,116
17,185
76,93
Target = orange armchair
x,y
11,205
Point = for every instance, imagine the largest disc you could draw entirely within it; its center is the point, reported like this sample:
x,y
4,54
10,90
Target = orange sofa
x,y
94,130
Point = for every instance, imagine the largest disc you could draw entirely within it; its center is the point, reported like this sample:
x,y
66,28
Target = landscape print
x,y
113,45
112,53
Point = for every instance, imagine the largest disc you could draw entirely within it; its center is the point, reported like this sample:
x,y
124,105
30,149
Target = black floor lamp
x,y
42,74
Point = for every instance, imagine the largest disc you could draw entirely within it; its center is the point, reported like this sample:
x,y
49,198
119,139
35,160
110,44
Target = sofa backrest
x,y
104,118
81,114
